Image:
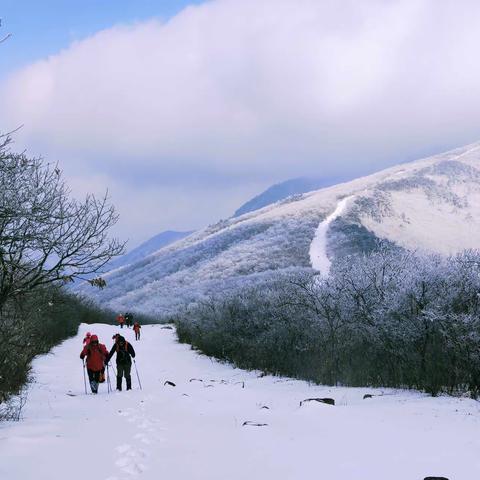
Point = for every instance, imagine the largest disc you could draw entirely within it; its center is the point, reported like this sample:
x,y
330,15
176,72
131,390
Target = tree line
x,y
390,318
48,239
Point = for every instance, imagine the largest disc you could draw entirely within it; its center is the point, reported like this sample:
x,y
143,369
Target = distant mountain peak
x,y
282,190
148,247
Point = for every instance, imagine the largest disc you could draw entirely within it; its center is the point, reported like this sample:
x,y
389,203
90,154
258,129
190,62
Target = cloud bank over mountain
x,y
244,88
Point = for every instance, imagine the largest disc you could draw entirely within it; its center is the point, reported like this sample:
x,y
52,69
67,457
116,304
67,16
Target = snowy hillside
x,y
146,248
432,204
218,422
280,191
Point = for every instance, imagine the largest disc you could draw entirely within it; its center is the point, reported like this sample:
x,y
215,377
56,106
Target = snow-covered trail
x,y
194,430
318,247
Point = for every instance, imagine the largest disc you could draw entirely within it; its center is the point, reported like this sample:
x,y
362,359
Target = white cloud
x,y
146,210
258,86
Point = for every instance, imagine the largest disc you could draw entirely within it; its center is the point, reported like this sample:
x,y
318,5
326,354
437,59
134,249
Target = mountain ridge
x,y
151,245
282,190
431,204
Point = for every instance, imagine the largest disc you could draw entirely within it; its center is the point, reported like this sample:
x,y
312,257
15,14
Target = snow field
x,y
195,429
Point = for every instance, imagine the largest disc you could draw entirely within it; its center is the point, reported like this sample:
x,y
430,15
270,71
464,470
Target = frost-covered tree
x,y
389,318
46,236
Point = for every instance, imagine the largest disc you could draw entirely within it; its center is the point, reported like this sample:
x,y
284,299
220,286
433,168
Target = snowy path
x,y
318,247
194,430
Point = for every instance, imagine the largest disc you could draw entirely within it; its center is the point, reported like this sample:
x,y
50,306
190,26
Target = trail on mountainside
x,y
318,248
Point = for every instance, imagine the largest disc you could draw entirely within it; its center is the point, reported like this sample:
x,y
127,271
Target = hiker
x,y
86,340
128,319
120,320
136,329
125,353
96,354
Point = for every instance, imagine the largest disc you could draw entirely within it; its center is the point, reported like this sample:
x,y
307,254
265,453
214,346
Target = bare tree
x,y
47,237
5,37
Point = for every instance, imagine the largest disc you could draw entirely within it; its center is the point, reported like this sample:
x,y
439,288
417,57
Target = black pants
x,y
137,334
94,378
123,370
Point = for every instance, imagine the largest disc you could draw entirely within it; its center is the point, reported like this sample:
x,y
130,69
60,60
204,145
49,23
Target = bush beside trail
x,y
34,326
390,318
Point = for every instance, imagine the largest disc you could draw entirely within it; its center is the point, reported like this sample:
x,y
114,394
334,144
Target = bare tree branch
x,y
46,236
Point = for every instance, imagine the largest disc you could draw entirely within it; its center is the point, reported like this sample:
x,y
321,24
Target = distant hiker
x,y
120,320
125,353
136,329
128,319
96,354
86,340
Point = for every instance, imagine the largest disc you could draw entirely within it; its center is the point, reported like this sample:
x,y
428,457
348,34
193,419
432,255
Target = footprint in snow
x,y
123,448
142,438
130,461
130,466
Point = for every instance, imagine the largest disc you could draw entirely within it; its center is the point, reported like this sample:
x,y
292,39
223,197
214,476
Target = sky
x,y
184,110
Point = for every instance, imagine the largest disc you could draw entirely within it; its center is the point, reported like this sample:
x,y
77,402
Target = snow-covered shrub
x,y
390,318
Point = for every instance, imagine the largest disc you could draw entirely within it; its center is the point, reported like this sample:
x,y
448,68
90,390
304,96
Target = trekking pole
x,y
84,377
109,388
136,369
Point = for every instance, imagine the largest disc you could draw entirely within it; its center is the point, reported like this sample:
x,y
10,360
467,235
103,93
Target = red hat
x,y
94,338
88,334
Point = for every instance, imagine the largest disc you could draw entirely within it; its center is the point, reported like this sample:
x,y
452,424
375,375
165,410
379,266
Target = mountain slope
x,y
152,245
282,190
432,204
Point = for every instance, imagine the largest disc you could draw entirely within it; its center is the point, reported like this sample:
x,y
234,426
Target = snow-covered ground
x,y
195,429
318,248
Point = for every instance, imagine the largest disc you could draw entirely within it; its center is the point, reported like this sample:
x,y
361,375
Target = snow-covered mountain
x,y
280,191
146,248
431,204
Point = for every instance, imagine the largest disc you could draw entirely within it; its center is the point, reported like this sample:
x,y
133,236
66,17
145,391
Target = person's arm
x,y
104,350
131,351
83,353
110,355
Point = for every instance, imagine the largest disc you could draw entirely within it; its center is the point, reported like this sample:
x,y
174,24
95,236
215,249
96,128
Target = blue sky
x,y
184,114
43,27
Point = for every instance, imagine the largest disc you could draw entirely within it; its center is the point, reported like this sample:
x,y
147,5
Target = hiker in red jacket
x,y
120,320
86,340
96,354
136,329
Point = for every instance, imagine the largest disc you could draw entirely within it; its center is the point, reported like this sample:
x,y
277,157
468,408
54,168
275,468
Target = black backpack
x,y
122,351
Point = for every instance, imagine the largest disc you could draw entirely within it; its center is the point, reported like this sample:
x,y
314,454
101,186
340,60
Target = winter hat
x,y
94,338
88,334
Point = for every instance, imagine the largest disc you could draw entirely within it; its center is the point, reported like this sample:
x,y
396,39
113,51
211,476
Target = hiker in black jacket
x,y
125,353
